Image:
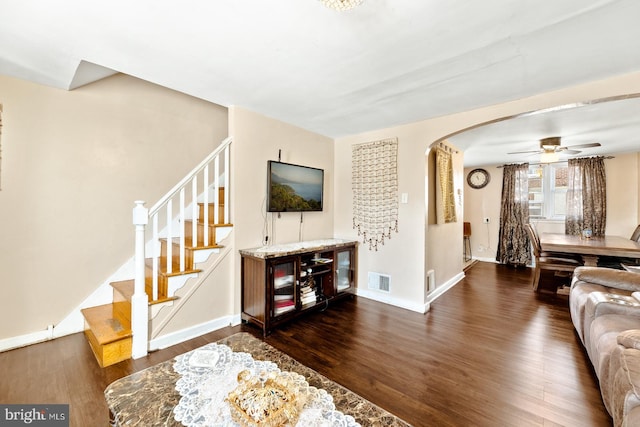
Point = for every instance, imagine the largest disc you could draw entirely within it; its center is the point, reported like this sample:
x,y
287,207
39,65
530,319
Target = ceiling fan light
x,y
549,157
341,4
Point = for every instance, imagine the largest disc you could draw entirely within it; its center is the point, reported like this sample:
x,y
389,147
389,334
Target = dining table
x,y
590,248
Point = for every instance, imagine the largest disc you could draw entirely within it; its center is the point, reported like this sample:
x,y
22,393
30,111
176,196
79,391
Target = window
x,y
548,191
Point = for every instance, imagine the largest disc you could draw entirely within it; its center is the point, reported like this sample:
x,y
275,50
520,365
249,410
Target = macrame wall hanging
x,y
375,190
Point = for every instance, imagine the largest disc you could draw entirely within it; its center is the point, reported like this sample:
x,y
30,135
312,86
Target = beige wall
x,y
405,256
73,162
402,256
437,234
479,204
256,139
622,194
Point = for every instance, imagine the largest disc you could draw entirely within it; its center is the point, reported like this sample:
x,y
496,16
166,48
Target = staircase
x,y
176,252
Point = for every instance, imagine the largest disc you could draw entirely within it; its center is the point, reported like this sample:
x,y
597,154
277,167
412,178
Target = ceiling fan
x,y
552,145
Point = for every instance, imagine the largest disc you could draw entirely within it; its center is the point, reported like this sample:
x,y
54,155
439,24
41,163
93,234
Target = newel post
x,y
139,300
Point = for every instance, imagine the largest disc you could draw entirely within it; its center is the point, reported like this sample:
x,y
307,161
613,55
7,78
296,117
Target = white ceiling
x,y
385,63
615,124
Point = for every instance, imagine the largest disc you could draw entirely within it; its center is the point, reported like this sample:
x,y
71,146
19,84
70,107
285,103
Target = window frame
x,y
548,191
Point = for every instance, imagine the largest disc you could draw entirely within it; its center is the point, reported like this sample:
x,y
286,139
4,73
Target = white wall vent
x,y
379,282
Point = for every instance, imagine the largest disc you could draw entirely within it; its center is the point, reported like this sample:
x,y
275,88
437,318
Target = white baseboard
x,y
420,308
24,340
440,290
493,260
186,334
236,320
387,299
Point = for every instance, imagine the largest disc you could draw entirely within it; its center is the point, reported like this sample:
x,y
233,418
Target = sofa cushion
x,y
578,296
609,328
629,339
625,396
602,303
603,341
608,277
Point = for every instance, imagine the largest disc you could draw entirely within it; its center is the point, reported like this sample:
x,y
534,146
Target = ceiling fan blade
x,y
571,152
525,152
589,145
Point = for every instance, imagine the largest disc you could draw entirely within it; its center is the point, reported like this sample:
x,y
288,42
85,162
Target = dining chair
x,y
548,261
532,229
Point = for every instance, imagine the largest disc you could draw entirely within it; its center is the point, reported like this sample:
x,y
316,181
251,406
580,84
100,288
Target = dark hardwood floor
x,y
490,352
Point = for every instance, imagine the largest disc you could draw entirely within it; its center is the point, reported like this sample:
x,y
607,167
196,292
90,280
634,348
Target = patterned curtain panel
x,y
445,199
374,183
586,196
513,242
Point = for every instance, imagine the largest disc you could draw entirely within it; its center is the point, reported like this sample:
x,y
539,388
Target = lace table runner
x,y
209,374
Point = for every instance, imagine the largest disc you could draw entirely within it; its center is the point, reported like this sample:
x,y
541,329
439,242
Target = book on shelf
x,y
283,297
282,306
310,299
278,311
284,302
322,260
307,291
284,290
281,282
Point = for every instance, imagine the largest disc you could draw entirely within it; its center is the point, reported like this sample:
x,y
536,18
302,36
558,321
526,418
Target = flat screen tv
x,y
294,188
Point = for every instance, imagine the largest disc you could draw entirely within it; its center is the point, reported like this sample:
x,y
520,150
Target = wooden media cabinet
x,y
281,282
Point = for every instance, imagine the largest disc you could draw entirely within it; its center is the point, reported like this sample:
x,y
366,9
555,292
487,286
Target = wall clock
x,y
478,178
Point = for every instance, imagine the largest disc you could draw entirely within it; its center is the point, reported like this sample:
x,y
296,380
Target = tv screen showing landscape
x,y
294,188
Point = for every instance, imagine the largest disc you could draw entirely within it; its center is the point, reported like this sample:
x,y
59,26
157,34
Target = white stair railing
x,y
165,212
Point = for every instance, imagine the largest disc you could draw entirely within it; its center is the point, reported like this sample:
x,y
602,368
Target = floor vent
x,y
380,282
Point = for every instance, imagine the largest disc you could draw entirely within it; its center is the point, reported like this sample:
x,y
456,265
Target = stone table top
x,y
285,249
148,397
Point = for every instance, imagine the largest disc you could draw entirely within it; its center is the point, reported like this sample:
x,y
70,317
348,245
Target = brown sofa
x,y
605,310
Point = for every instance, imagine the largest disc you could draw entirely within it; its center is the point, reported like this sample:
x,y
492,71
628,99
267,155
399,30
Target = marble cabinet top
x,y
272,251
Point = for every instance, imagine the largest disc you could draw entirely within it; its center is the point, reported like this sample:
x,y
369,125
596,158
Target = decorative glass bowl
x,y
264,400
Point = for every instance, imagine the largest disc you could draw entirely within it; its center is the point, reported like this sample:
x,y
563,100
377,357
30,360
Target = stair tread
x,y
176,241
223,224
127,288
105,324
124,287
162,300
148,262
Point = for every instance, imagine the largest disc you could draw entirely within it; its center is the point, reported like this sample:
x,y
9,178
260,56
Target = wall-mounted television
x,y
294,188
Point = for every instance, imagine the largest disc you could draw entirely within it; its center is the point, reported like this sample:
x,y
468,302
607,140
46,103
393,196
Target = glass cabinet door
x,y
284,289
344,270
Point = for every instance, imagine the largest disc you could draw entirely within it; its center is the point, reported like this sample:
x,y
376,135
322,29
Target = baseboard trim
x,y
195,331
386,299
442,289
25,340
493,260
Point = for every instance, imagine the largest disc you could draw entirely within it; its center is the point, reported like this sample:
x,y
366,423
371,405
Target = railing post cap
x,y
140,213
